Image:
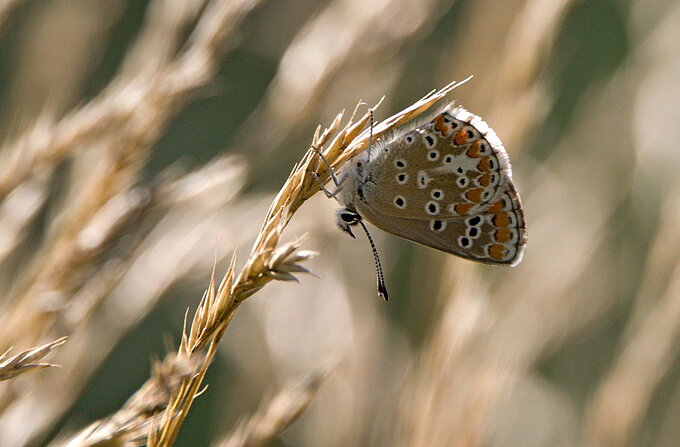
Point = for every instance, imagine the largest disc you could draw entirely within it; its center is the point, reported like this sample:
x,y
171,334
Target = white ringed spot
x,y
401,178
464,241
423,179
400,163
437,194
473,221
400,202
473,232
437,225
433,155
429,140
432,208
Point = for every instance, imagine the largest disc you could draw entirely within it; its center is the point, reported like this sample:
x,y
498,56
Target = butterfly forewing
x,y
448,184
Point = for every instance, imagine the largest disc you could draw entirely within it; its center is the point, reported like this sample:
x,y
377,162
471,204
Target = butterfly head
x,y
347,218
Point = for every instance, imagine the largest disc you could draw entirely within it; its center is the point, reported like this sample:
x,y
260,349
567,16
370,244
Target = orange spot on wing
x,y
484,165
440,125
502,235
501,220
474,195
497,206
461,138
496,251
484,179
474,150
463,208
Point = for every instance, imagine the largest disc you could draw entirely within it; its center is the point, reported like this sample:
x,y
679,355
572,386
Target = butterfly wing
x,y
497,236
448,184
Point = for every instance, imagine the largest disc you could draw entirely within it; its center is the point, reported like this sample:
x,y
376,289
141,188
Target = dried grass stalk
x,y
650,348
268,260
130,424
127,99
25,361
129,117
276,415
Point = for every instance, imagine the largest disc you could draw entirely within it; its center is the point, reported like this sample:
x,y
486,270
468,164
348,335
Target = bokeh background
x,y
108,231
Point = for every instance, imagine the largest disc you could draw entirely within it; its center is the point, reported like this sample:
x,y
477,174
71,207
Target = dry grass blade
x,y
25,361
47,144
147,104
6,7
273,417
268,260
620,403
130,424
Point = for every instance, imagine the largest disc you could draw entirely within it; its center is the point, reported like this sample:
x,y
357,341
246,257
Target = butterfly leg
x,y
338,183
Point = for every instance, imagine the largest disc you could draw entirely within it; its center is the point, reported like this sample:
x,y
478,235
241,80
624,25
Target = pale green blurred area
x,y
592,129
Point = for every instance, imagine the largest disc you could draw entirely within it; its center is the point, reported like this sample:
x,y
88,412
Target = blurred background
x,y
130,162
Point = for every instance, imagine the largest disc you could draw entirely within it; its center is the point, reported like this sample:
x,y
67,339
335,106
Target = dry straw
x,y
275,415
25,361
269,260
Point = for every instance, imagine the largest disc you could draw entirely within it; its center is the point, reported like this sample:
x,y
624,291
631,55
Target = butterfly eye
x,y
348,217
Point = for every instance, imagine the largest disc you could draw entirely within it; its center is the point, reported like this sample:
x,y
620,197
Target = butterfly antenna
x,y
370,135
382,289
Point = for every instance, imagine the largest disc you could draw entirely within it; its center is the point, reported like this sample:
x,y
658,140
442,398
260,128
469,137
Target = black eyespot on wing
x,y
437,225
473,221
473,231
465,242
470,134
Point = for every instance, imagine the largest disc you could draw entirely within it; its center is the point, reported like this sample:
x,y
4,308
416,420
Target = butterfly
x,y
445,182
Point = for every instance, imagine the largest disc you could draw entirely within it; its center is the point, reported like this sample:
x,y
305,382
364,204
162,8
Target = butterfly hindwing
x,y
495,237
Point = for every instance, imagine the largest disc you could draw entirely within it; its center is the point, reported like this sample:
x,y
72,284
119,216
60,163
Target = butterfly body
x,y
445,183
